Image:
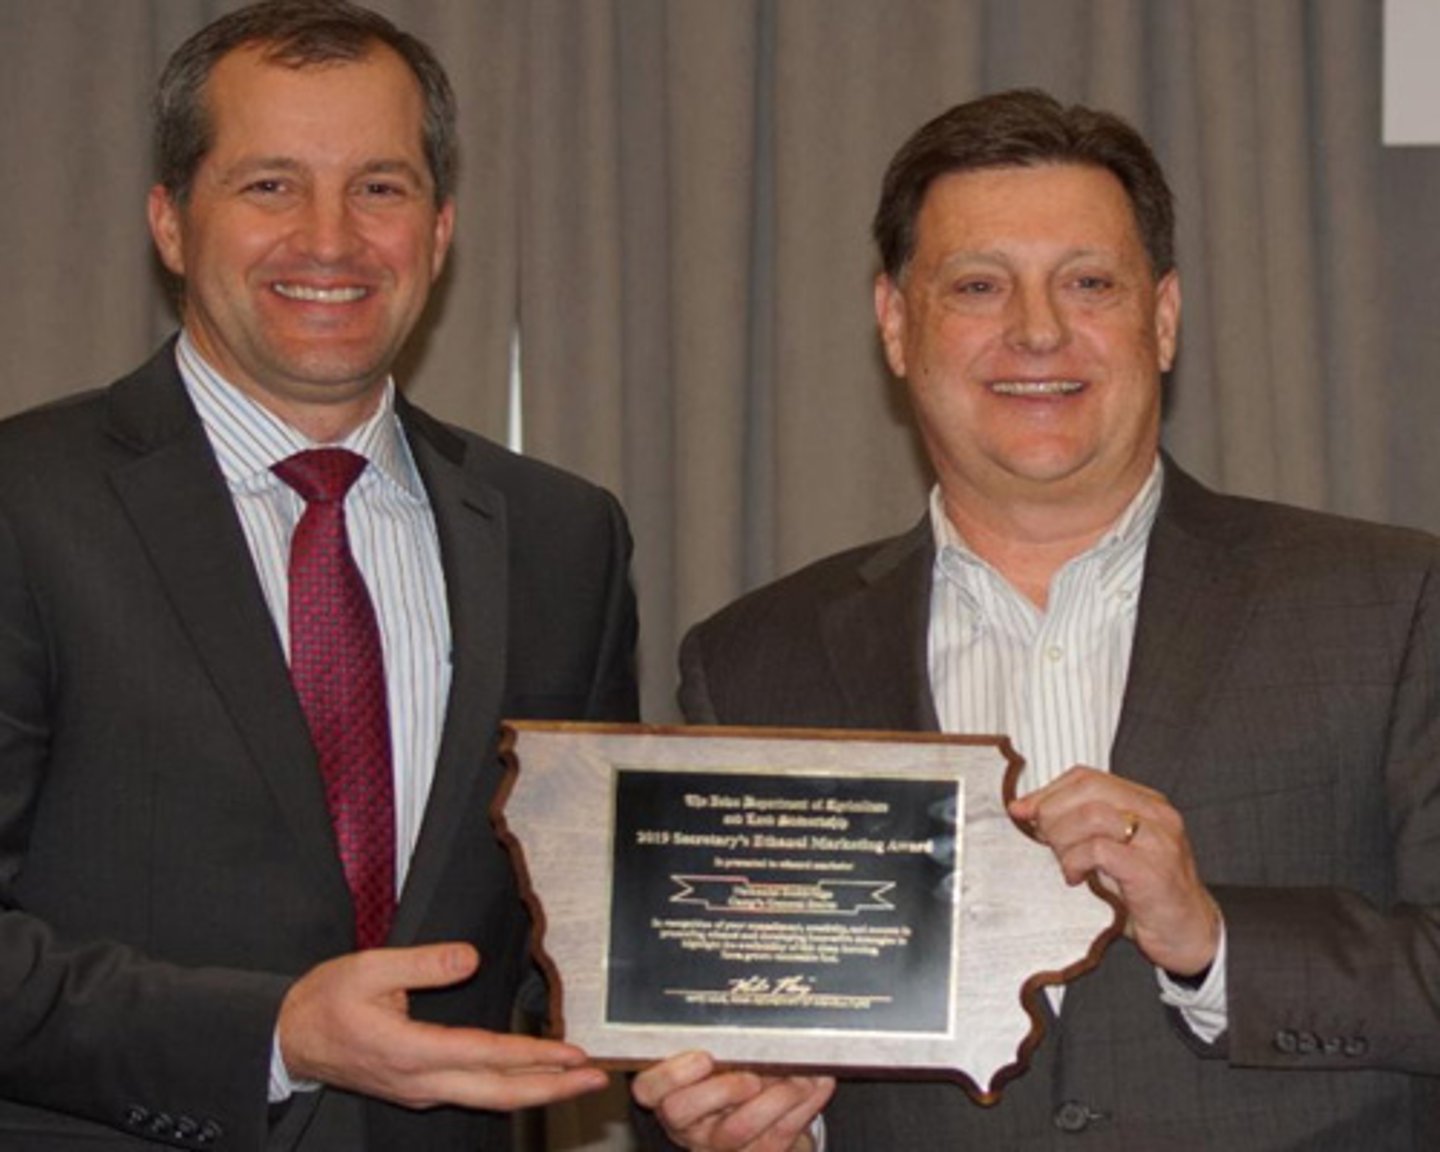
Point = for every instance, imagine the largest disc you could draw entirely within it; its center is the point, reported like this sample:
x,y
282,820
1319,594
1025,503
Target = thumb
x,y
423,966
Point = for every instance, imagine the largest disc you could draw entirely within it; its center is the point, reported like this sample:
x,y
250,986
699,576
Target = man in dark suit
x,y
1230,710
178,938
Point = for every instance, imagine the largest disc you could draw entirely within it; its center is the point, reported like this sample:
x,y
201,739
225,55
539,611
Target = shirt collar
x,y
1123,540
249,439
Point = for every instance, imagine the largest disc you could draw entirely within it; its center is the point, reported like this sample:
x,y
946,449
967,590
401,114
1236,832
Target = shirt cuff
x,y
282,1087
1204,1009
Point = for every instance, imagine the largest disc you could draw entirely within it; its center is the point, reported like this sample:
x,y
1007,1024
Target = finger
x,y
437,1047
710,1102
1104,856
780,1115
1096,805
1063,828
1073,786
421,1064
383,970
658,1081
824,1090
506,1092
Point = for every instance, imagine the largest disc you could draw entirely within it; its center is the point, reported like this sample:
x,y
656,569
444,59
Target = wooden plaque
x,y
791,898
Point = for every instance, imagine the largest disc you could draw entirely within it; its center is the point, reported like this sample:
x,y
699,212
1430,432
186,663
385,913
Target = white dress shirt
x,y
1051,679
393,538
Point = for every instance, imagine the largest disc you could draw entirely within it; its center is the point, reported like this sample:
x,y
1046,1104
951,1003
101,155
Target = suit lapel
x,y
1195,577
176,498
875,638
470,520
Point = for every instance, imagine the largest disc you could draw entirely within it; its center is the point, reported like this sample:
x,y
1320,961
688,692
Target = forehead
x,y
371,102
1074,206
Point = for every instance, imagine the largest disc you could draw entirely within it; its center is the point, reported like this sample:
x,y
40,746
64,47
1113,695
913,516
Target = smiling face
x,y
1032,335
310,238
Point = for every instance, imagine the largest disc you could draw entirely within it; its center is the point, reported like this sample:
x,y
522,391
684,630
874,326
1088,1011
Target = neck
x,y
1027,542
325,426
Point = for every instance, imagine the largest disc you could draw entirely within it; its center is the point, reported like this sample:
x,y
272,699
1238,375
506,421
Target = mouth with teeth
x,y
308,294
1036,387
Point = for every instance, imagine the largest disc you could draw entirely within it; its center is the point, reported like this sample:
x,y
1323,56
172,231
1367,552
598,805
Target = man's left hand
x,y
1133,841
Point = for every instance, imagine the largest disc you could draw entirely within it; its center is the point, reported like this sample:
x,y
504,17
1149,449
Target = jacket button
x,y
1072,1116
160,1124
1287,1042
135,1116
186,1127
1307,1044
209,1133
1356,1046
1331,1046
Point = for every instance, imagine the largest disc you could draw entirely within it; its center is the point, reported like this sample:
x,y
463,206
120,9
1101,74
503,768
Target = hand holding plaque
x,y
816,899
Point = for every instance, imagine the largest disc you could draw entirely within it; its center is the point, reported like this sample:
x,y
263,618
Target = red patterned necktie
x,y
339,675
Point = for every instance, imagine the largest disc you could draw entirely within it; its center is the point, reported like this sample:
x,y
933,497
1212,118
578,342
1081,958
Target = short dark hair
x,y
296,34
1022,128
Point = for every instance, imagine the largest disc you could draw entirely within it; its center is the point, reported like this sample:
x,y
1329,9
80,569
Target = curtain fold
x,y
761,429
669,203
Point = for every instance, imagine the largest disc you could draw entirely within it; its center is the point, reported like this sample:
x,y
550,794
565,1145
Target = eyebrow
x,y
1004,258
394,168
248,166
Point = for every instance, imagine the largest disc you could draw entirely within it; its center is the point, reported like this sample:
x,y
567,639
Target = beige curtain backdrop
x,y
669,200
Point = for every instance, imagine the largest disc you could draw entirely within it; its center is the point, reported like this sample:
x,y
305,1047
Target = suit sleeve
x,y
89,1027
1323,978
694,692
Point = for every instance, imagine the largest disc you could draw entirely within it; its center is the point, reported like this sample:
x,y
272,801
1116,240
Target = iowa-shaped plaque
x,y
837,901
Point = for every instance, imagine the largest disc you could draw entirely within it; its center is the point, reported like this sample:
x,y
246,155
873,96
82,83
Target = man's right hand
x,y
706,1110
346,1023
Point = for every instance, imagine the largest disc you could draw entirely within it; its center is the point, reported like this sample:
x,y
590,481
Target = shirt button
x,y
1054,653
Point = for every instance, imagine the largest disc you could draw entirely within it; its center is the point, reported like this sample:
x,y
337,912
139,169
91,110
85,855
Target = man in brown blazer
x,y
180,961
1230,710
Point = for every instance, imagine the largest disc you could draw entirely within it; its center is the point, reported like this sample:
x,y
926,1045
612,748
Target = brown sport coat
x,y
1284,693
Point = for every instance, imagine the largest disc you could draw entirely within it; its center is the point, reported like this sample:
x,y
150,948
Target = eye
x,y
975,286
383,189
266,186
1094,282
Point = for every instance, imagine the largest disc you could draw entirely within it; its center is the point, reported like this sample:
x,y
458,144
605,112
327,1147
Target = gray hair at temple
x,y
1020,129
295,34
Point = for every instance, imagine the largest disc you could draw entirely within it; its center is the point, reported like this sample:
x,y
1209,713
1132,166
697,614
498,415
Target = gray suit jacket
x,y
166,860
1284,693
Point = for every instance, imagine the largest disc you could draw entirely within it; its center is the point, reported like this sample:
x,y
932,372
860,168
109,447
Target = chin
x,y
1048,467
335,369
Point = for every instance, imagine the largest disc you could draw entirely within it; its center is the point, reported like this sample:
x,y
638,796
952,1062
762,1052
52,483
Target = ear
x,y
890,315
1167,318
444,233
167,229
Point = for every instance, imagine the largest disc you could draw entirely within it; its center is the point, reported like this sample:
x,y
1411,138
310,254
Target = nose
x,y
327,230
1035,323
